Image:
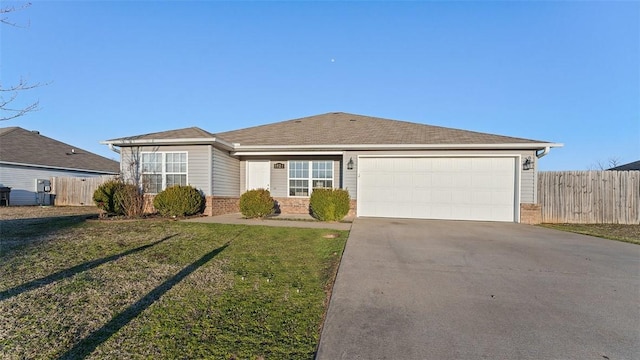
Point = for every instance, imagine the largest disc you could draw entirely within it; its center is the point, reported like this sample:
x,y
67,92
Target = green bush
x,y
179,200
256,203
329,204
105,197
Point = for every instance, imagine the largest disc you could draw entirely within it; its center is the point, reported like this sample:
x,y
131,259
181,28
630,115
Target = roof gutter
x,y
150,142
113,148
544,152
102,172
537,146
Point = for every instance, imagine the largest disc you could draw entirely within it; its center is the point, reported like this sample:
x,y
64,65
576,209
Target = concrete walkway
x,y
294,220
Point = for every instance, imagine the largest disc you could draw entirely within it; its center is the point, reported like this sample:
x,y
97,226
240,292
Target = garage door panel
x,y
473,188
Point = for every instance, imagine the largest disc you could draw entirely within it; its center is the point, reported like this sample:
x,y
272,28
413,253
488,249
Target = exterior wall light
x,y
350,164
527,164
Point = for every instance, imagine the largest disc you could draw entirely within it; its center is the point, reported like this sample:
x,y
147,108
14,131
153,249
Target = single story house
x,y
635,165
28,161
391,168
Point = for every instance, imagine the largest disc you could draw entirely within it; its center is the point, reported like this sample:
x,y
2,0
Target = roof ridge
x,y
9,129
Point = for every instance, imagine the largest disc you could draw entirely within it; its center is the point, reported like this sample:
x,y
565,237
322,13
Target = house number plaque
x,y
278,166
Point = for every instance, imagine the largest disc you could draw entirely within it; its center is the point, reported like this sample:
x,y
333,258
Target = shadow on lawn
x,y
34,284
87,345
15,233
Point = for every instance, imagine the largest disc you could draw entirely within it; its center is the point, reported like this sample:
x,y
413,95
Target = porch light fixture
x,y
350,164
527,164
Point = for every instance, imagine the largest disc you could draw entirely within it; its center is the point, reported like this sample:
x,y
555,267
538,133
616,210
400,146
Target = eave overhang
x,y
58,168
151,142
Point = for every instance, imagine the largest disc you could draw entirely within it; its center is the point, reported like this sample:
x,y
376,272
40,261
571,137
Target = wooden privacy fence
x,y
76,191
590,197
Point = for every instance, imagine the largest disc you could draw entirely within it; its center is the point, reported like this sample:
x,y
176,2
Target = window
x,y
320,176
162,170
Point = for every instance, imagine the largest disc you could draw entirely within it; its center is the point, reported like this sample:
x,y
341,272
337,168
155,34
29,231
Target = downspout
x,y
113,148
538,154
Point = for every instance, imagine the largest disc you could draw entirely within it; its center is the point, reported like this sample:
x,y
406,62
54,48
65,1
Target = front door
x,y
258,174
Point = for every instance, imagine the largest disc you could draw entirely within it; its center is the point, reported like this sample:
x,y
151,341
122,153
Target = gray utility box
x,y
43,185
43,188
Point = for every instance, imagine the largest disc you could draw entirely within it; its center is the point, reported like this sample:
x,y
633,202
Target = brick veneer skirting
x,y
220,205
530,214
214,205
301,206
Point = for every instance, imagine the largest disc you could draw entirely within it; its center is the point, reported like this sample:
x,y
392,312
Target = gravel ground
x,y
34,212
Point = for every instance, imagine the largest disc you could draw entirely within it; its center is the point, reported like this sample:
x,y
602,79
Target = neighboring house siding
x,y
22,181
280,177
527,178
198,162
226,174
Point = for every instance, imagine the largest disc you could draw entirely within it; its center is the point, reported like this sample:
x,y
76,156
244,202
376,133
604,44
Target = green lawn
x,y
154,289
626,233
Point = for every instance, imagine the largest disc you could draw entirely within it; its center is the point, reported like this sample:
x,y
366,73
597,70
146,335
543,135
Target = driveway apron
x,y
424,289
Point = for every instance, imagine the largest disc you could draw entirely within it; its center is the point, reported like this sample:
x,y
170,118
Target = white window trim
x,y
164,172
310,178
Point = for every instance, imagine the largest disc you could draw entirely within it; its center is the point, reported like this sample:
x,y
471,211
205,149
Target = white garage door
x,y
460,188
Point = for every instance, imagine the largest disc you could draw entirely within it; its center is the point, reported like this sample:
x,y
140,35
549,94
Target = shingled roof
x,y
349,129
20,146
333,129
627,167
186,133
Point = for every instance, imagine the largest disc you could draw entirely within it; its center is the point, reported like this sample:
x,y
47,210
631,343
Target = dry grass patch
x,y
156,289
625,233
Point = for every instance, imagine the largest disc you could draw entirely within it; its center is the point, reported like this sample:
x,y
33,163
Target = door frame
x,y
248,173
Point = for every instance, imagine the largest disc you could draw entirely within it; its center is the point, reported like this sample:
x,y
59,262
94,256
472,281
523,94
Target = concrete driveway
x,y
422,289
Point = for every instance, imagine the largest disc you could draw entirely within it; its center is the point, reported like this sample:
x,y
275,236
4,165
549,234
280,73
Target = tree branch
x,y
4,19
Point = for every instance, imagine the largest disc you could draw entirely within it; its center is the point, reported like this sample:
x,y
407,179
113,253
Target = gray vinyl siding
x,y
226,174
22,181
527,184
198,163
280,177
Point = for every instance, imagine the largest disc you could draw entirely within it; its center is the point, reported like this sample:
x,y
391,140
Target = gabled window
x,y
302,173
161,170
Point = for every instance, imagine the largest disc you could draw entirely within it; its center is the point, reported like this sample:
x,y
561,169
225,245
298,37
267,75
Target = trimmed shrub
x,y
256,203
329,204
179,200
105,199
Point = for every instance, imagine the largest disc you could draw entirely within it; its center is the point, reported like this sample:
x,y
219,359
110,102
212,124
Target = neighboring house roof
x,y
24,147
335,129
630,166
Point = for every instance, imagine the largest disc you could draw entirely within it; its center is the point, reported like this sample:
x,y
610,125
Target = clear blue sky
x,y
565,72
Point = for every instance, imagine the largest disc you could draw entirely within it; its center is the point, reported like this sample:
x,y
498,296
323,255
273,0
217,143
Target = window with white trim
x,y
320,176
162,170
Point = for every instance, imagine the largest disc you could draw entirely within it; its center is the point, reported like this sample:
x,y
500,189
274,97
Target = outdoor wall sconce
x,y
527,164
350,164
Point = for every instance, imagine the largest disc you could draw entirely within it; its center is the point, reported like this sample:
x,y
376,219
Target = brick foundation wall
x,y
530,214
292,205
220,205
301,206
353,206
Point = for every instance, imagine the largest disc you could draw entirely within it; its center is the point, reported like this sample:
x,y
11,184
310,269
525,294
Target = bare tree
x,y
8,94
611,162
